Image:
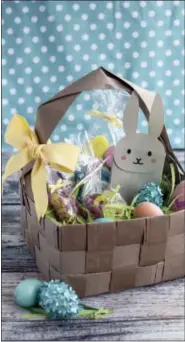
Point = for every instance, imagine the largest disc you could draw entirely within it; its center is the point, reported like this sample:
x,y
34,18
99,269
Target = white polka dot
x,y
144,123
85,57
176,82
59,7
176,42
151,34
30,110
151,14
12,71
119,55
183,92
135,14
77,47
176,102
103,56
69,78
168,33
144,84
29,90
60,28
142,3
44,49
168,13
176,3
152,73
76,7
94,47
160,43
5,121
143,24
13,111
168,53
68,38
79,107
110,26
25,9
3,41
92,6
43,29
51,39
69,58
135,34
135,54
144,64
60,48
51,18
109,5
160,23
176,22
71,117
118,35
135,74
144,44
61,87
126,4
127,45
85,37
80,127
17,20
67,17
11,51
8,10
45,89
176,122
4,62
77,67
52,59
27,50
160,83
94,66
4,102
26,30
56,137
21,100
42,8
93,27
53,79
37,99
34,19
176,62
36,59
20,80
111,66
61,68
28,70
110,46
101,16
126,25
178,141
151,54
168,72
35,39
169,131
10,31
160,63
169,112
76,27
36,79
168,92
127,65
19,60
18,40
63,128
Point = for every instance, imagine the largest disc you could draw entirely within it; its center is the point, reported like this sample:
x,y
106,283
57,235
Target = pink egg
x,y
109,154
179,194
147,209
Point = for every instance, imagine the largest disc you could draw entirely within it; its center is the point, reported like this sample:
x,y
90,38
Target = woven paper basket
x,y
109,257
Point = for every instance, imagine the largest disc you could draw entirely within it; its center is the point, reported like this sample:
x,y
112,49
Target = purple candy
x,y
109,155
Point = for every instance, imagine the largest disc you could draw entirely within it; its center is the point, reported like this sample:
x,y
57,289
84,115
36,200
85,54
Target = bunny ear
x,y
156,118
130,116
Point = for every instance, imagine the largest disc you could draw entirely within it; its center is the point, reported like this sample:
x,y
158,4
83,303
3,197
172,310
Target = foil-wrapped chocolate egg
x,y
179,197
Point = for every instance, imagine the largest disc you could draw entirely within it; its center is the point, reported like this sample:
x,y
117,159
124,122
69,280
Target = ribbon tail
x,y
39,188
16,163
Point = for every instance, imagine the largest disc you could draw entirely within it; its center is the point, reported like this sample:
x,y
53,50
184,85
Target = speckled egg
x,y
109,155
179,194
26,293
147,209
103,220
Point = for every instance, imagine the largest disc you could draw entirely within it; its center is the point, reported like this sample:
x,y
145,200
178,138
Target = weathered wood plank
x,y
141,314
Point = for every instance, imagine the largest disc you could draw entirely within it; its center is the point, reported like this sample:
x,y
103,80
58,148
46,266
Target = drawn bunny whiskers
x,y
139,158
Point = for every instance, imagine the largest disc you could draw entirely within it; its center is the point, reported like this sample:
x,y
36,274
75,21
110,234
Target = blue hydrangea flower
x,y
59,300
151,192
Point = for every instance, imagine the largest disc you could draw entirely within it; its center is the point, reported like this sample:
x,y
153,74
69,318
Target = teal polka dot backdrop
x,y
46,45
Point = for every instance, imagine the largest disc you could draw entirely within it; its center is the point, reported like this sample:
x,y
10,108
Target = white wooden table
x,y
151,313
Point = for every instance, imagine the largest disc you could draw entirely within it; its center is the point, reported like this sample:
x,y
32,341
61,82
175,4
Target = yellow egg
x,y
99,145
147,209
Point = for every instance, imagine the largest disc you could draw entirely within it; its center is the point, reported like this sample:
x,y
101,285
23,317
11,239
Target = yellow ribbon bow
x,y
111,118
61,156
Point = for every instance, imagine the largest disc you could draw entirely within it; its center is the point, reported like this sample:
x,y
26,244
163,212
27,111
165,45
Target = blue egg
x,y
26,293
103,219
105,174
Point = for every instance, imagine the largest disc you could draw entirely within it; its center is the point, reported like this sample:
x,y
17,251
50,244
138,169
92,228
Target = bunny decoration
x,y
138,157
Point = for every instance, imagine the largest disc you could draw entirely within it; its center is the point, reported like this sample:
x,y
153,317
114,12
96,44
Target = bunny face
x,y
140,155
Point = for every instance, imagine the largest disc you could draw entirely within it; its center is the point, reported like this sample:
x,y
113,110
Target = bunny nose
x,y
138,159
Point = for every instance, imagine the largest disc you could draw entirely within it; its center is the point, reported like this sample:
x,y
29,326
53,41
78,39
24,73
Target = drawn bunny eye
x,y
129,151
149,153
